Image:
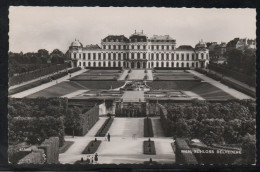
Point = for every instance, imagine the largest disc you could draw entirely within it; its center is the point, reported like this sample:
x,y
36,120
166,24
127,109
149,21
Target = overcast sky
x,y
33,28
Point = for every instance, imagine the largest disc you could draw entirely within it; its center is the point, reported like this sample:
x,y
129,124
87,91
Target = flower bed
x,y
149,148
104,128
148,129
92,147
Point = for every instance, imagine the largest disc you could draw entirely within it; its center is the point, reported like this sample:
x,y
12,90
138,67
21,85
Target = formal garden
x,y
231,123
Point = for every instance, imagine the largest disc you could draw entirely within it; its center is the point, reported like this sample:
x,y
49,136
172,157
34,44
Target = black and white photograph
x,y
121,85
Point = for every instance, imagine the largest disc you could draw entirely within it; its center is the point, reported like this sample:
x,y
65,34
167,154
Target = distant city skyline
x,y
34,28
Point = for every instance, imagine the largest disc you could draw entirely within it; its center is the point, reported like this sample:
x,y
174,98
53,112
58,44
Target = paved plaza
x,y
126,145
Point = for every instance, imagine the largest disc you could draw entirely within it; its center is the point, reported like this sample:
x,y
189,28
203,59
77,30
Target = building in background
x,y
139,52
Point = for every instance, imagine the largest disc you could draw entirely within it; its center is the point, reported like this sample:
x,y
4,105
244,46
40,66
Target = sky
x,y
34,28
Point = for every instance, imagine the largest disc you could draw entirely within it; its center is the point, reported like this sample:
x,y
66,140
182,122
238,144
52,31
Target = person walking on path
x,y
96,157
108,137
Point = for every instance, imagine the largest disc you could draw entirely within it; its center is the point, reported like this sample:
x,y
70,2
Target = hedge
x,y
104,128
148,129
92,147
74,70
149,148
36,74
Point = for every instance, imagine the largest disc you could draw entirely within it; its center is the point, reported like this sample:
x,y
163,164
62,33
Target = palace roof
x,y
185,47
115,38
92,47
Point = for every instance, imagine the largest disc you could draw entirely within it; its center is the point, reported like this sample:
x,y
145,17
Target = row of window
x,y
138,47
136,40
152,64
152,56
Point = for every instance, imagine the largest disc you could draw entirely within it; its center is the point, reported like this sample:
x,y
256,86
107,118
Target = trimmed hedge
x,y
92,147
41,81
104,128
36,74
148,128
66,146
74,70
149,148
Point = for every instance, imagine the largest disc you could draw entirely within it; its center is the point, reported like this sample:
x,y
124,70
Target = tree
x,y
73,119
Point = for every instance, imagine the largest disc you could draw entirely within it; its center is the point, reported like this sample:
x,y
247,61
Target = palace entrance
x,y
137,64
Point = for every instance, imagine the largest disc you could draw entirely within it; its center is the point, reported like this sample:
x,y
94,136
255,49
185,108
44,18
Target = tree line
x,y
26,62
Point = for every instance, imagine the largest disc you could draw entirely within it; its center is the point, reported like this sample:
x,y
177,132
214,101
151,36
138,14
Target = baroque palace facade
x,y
138,51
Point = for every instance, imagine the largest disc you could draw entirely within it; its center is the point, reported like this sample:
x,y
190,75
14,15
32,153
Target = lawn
x,y
100,84
204,89
57,90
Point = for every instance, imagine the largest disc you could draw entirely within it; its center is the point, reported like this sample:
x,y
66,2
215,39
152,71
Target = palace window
x,y
177,56
99,64
152,56
152,47
197,56
89,64
167,64
114,47
114,56
187,64
192,64
167,47
84,56
182,64
157,47
104,64
99,56
109,64
197,64
75,55
172,64
162,47
152,64
79,56
177,64
133,55
157,56
162,64
94,64
138,55
119,47
157,64
182,56
114,64
138,47
104,56
104,47
84,63
162,56
172,47
172,56
124,56
94,56
192,56
124,47
89,56
133,47
144,56
119,56
144,47
109,47
167,56
109,56
187,57
202,56
207,56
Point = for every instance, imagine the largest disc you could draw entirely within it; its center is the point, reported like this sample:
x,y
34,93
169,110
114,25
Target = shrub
x,y
149,148
105,127
92,147
148,129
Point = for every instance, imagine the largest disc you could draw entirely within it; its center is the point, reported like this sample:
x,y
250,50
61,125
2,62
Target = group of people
x,y
91,159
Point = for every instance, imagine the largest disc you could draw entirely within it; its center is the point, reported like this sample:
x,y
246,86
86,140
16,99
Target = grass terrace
x,y
173,75
57,90
203,89
100,84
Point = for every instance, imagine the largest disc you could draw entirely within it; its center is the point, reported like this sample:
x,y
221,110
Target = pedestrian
x,y
81,159
92,160
96,157
108,137
88,160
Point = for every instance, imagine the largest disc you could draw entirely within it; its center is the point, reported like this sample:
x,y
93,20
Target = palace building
x,y
138,52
